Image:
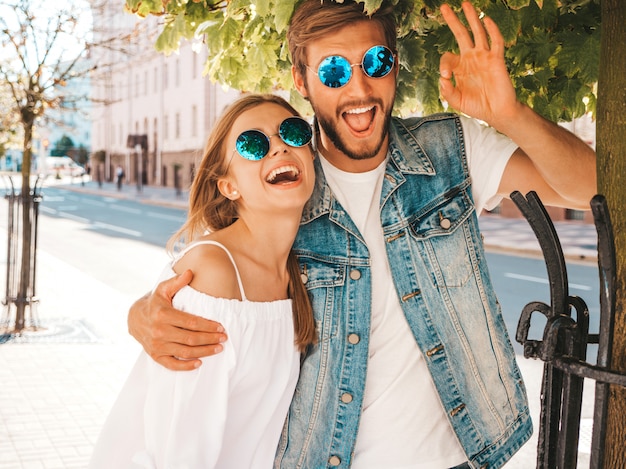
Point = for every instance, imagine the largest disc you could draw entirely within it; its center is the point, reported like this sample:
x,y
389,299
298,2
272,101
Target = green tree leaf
x,y
547,41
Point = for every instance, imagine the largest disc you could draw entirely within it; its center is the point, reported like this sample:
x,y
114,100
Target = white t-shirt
x,y
394,432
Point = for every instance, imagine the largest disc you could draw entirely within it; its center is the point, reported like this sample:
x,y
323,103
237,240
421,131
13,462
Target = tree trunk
x,y
611,150
25,284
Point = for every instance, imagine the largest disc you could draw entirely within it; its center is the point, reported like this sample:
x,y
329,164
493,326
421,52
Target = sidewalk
x,y
146,194
56,387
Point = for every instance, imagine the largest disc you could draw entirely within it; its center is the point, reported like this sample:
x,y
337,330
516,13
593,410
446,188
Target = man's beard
x,y
330,131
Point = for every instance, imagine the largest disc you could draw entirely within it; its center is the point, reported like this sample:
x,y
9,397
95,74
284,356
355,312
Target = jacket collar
x,y
402,142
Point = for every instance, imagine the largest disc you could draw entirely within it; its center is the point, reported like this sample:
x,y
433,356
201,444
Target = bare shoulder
x,y
213,271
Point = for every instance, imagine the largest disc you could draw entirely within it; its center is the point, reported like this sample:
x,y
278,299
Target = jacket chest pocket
x,y
324,281
444,237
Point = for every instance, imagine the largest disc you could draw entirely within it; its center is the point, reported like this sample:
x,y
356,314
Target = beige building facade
x,y
151,112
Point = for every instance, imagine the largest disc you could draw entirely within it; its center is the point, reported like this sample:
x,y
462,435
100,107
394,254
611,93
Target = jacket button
x,y
445,223
346,398
355,274
354,339
390,178
334,461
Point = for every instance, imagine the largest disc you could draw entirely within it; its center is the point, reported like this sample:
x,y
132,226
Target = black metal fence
x,y
563,347
20,300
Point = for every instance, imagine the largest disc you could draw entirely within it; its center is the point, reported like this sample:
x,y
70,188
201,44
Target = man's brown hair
x,y
314,19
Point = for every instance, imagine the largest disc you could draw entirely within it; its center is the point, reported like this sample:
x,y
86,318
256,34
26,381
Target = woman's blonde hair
x,y
209,210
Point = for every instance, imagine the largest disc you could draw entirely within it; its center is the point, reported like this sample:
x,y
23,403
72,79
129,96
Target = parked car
x,y
59,166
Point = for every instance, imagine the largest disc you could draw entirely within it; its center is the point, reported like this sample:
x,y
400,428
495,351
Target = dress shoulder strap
x,y
215,243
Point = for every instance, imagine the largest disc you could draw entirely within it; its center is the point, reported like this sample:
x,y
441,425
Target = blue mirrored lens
x,y
377,62
334,71
295,132
252,145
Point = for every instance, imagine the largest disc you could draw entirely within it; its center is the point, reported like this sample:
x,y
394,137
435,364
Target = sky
x,y
69,43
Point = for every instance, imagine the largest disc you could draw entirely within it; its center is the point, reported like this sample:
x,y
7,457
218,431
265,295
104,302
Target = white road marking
x,y
166,217
73,217
121,208
97,224
528,278
43,208
97,203
118,229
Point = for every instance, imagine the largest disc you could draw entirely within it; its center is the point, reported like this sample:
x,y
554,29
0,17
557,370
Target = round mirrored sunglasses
x,y
335,71
254,145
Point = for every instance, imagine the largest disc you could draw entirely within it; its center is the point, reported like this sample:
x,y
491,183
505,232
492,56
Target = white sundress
x,y
228,413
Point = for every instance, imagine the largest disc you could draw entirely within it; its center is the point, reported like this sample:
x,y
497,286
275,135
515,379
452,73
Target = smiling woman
x,y
238,237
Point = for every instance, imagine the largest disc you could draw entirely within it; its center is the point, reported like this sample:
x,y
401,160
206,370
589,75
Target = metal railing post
x,y
563,347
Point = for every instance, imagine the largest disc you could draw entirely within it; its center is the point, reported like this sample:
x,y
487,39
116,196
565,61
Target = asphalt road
x,y
121,242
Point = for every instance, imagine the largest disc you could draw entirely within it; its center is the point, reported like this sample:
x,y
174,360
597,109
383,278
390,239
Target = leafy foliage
x,y
552,46
9,121
62,147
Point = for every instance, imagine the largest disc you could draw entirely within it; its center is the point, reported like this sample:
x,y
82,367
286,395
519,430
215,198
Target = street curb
x,y
537,253
182,202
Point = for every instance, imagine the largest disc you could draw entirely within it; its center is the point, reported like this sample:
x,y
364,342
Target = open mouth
x,y
283,175
360,119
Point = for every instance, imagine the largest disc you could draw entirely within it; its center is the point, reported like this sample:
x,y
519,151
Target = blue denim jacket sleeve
x,y
440,274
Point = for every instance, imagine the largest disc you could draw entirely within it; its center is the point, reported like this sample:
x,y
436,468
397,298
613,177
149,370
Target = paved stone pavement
x,y
56,386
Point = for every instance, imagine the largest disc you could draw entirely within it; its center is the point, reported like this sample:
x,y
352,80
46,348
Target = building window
x,y
177,71
156,130
145,83
166,133
194,121
156,79
165,83
177,126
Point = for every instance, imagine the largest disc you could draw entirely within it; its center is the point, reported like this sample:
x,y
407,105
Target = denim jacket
x,y
440,273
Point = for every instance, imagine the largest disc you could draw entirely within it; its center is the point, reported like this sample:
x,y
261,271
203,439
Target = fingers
x,y
478,30
167,330
174,364
182,358
447,64
497,41
448,91
484,32
170,287
181,349
458,29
